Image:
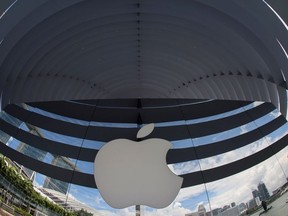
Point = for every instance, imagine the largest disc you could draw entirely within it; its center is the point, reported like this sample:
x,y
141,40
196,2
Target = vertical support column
x,y
139,123
137,210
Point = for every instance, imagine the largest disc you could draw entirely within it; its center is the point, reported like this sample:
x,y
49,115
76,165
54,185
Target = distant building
x,y
201,210
233,211
278,190
252,204
255,193
225,208
216,212
258,201
192,214
242,207
264,194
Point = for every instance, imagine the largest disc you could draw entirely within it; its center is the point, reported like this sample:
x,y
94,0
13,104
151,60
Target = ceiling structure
x,y
87,49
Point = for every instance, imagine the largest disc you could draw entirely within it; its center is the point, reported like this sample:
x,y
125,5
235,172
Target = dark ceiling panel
x,y
105,134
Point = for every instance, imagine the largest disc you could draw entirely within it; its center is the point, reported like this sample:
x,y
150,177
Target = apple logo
x,y
136,173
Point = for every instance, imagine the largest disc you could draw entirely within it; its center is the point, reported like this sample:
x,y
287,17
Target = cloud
x,y
221,159
244,129
190,193
174,209
185,167
98,200
238,188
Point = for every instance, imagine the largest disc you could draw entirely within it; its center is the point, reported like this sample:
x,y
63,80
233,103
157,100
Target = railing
x,y
11,189
7,208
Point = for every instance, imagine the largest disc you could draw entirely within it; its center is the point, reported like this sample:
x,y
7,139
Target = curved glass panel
x,y
10,119
85,167
55,116
185,167
48,185
223,115
92,144
242,193
228,196
40,155
60,138
134,125
236,131
90,200
247,150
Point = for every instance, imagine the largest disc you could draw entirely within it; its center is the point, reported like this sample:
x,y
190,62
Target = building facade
x,y
263,192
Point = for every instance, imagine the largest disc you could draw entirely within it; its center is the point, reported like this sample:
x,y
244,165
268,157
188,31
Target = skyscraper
x,y
264,194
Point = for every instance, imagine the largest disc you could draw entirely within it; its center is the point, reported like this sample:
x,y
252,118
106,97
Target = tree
x,y
83,212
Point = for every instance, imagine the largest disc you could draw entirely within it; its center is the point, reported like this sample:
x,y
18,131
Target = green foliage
x,y
26,186
83,212
22,212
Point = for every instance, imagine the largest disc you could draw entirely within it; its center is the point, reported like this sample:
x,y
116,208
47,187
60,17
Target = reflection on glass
x,y
10,119
185,143
55,116
46,184
247,150
243,192
92,144
60,138
42,156
134,125
185,167
233,195
85,167
236,131
224,115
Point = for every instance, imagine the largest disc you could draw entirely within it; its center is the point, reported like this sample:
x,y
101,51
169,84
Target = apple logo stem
x,y
131,173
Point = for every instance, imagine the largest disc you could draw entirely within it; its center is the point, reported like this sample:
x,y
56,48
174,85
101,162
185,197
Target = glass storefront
x,y
222,172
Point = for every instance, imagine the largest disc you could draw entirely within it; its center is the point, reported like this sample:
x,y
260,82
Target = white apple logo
x,y
136,173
